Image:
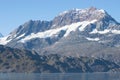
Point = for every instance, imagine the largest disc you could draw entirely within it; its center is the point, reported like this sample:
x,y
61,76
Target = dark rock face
x,y
15,60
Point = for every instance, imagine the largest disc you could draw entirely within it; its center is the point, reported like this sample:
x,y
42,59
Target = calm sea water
x,y
59,76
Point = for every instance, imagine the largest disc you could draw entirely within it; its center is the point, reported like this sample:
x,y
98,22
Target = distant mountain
x,y
88,32
24,61
1,35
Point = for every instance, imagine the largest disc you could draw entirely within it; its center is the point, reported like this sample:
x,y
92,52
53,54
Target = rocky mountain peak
x,y
79,15
92,8
31,27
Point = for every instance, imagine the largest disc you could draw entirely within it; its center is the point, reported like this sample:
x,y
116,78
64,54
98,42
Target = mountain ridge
x,y
88,32
40,26
77,15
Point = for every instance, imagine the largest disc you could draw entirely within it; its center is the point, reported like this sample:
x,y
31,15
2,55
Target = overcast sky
x,y
16,12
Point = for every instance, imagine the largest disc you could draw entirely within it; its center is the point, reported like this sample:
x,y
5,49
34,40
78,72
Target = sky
x,y
16,12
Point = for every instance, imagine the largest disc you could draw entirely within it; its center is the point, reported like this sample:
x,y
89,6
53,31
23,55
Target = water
x,y
60,76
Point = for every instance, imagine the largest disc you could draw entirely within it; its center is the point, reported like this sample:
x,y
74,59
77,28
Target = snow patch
x,y
72,27
92,39
105,31
85,23
100,32
54,32
20,36
115,31
101,10
4,41
44,34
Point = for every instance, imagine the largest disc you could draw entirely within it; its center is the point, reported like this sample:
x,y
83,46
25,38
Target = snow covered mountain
x,y
86,32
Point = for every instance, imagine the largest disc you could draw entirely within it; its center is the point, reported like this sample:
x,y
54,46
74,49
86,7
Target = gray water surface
x,y
60,76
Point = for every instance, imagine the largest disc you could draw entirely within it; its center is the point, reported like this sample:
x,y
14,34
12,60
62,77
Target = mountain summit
x,y
79,15
77,32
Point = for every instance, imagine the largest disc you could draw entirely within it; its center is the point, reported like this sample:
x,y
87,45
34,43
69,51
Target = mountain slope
x,y
87,32
16,60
